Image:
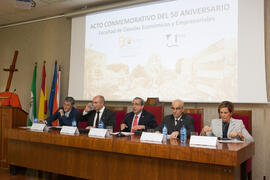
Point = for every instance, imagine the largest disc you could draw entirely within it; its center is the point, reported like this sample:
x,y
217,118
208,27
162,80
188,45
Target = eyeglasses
x,y
177,109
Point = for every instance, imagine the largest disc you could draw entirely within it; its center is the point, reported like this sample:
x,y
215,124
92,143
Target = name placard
x,y
203,141
152,137
97,132
69,130
39,127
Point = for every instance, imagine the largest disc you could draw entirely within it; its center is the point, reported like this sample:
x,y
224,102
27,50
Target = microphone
x,y
120,134
11,97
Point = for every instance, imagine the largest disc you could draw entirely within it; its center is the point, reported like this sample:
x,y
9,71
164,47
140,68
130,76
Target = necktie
x,y
135,122
97,120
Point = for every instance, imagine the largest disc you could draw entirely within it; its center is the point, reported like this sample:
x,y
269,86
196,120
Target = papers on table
x,y
230,141
125,133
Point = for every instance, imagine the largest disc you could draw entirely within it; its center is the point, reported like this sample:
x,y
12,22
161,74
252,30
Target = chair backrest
x,y
156,108
246,117
197,114
120,112
81,125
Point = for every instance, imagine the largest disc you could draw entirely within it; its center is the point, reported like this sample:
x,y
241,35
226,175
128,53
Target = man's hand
x,y
89,127
89,107
123,126
174,135
139,127
61,111
42,121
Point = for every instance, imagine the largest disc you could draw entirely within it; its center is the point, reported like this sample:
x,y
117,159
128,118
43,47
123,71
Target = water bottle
x,y
36,120
101,124
183,134
165,132
74,122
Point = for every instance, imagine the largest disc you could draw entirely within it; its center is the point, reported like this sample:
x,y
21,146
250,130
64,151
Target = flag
x,y
33,111
57,92
56,103
42,110
53,94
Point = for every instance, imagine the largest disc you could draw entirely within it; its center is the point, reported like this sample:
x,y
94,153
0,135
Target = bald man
x,y
96,111
175,121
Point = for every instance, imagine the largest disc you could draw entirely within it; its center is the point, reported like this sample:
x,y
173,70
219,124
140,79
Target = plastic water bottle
x,y
165,130
183,134
74,122
101,124
36,120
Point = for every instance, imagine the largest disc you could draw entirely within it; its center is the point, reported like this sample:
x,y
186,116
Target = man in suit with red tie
x,y
96,111
138,119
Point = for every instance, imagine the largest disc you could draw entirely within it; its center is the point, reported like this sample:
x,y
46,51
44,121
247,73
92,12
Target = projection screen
x,y
199,51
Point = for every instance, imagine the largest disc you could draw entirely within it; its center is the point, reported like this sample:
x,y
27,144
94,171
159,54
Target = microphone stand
x,y
120,134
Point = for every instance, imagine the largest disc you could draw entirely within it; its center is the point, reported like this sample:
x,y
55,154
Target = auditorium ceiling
x,y
15,11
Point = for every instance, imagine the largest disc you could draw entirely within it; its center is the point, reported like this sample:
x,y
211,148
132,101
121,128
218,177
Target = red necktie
x,y
135,122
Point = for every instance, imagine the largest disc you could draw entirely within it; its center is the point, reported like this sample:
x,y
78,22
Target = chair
x,y
246,117
156,108
81,124
197,115
120,112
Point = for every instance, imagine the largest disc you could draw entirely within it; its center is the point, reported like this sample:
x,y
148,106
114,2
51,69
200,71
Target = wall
x,y
50,40
35,42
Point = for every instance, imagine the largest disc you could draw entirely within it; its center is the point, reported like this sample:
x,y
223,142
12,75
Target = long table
x,y
123,158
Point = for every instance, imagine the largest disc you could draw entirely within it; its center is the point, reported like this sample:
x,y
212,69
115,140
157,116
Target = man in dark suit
x,y
138,119
175,121
96,111
65,114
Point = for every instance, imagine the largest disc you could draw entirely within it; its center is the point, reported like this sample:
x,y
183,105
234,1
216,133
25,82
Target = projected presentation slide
x,y
184,49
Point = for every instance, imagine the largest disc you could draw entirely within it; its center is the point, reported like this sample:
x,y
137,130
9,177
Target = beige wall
x,y
50,40
36,42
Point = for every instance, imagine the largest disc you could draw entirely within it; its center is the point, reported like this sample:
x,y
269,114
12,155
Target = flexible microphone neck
x,y
120,134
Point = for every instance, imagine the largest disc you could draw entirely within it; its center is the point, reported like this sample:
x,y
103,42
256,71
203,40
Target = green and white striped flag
x,y
33,111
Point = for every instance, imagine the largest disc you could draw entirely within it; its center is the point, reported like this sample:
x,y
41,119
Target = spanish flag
x,y
42,110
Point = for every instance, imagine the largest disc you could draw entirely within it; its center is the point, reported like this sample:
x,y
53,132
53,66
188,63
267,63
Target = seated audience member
x,y
175,121
96,111
65,114
138,119
226,126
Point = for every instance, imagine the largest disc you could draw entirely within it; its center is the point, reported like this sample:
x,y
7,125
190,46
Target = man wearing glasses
x,y
175,121
138,119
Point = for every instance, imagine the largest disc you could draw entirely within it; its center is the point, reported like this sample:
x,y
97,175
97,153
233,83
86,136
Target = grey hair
x,y
70,99
141,100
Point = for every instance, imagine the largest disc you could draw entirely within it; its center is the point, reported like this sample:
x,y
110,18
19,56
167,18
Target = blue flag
x,y
51,101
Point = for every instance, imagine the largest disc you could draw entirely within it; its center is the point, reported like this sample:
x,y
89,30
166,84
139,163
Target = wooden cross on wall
x,y
11,70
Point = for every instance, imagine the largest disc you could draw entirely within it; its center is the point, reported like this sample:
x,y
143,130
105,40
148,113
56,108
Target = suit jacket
x,y
108,117
63,120
146,118
169,121
236,125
